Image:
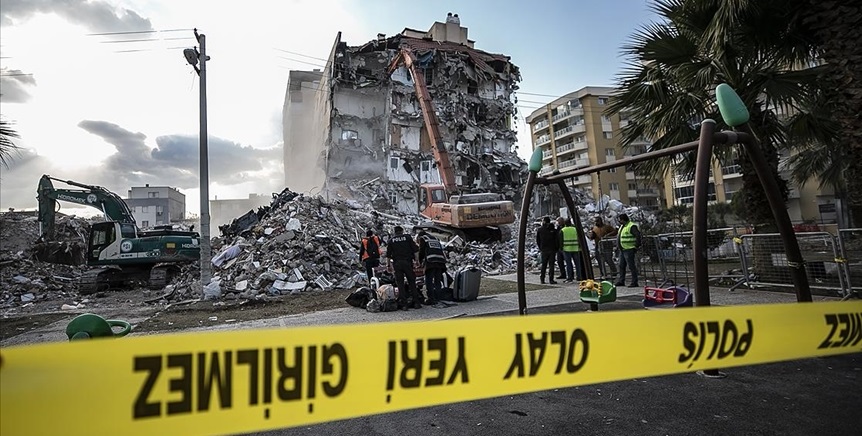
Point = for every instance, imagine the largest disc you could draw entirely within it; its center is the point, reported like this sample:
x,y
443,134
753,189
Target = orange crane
x,y
472,216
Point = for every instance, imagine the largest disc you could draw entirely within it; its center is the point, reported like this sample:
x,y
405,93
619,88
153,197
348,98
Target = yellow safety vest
x,y
627,239
570,239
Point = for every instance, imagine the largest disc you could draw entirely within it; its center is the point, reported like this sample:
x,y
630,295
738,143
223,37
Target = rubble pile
x,y
301,243
25,278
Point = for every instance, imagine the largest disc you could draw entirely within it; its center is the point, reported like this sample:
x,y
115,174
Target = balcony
x,y
630,175
731,171
566,131
632,194
547,155
647,192
581,145
574,163
540,125
581,180
542,140
565,149
546,170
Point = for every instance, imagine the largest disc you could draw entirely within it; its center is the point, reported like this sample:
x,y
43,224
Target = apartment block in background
x,y
573,133
156,205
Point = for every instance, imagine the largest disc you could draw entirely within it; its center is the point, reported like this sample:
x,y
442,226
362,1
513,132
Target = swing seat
x,y
665,298
591,295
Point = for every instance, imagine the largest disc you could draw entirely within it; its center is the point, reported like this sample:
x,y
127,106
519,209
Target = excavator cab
x,y
430,194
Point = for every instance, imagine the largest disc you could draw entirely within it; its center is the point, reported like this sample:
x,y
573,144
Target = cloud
x,y
13,84
98,16
234,169
175,158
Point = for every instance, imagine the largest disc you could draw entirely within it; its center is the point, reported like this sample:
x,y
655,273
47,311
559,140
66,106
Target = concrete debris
x,y
313,246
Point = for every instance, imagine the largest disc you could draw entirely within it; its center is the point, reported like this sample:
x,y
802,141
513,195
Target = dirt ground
x,y
184,315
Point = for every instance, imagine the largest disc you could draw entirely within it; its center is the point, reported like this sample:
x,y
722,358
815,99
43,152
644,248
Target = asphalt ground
x,y
818,396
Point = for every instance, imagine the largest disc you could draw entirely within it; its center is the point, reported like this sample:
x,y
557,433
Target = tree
x,y
835,26
6,144
674,66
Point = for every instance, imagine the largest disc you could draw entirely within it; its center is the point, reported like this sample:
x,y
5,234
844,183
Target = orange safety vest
x,y
365,254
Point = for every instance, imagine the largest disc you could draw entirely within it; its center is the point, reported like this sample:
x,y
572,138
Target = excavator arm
x,y
441,155
111,205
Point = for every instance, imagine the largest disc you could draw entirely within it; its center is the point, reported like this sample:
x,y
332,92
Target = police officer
x,y
433,258
401,250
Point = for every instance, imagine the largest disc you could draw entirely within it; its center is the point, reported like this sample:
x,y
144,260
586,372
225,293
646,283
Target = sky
x,y
100,93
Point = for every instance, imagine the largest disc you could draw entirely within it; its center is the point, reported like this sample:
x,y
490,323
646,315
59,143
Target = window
x,y
425,165
144,209
128,231
153,194
606,119
159,209
633,186
438,196
393,163
609,135
393,197
610,152
612,170
614,186
145,224
603,101
349,134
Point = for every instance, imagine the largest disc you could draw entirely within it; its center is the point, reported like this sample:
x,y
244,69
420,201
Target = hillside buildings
x,y
356,130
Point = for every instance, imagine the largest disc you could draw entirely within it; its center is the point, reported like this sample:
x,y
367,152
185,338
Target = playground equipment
x,y
90,326
666,295
736,115
595,293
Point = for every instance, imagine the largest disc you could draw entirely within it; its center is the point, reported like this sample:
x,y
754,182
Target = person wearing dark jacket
x,y
369,253
547,238
433,258
401,250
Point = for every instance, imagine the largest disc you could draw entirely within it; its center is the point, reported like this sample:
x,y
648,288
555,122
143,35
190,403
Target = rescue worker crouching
x,y
433,258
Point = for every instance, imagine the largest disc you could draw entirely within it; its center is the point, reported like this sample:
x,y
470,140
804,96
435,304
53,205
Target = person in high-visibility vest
x,y
571,251
629,242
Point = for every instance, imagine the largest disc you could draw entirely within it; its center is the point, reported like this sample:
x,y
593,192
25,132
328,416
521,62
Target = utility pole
x,y
193,57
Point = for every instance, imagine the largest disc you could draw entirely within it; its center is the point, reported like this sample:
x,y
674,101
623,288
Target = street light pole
x,y
192,56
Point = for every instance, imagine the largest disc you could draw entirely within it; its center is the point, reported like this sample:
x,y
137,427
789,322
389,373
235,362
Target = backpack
x,y
372,247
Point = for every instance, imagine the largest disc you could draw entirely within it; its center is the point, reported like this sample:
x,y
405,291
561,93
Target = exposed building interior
x,y
356,130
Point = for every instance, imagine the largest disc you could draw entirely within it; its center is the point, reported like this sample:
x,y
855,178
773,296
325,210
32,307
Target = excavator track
x,y
95,280
159,276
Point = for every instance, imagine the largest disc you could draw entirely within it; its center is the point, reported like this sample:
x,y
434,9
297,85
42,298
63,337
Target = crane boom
x,y
111,205
441,155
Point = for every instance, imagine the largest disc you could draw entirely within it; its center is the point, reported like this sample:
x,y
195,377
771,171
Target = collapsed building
x,y
356,130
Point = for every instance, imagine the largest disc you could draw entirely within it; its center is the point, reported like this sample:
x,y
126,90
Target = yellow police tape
x,y
249,380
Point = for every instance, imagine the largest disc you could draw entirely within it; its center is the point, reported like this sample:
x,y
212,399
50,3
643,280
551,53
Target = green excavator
x,y
121,253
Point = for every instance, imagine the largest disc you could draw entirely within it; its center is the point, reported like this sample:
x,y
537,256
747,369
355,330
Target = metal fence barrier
x,y
850,246
668,257
764,262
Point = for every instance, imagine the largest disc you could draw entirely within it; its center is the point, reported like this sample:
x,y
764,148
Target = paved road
x,y
821,396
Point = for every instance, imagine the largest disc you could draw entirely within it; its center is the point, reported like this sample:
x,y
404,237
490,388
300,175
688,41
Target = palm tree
x,y
834,28
674,66
6,144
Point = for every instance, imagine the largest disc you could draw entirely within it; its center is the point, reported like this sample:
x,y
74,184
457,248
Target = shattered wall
x,y
306,127
377,146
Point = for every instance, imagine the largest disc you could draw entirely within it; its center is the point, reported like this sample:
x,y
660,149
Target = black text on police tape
x,y
848,336
567,351
409,363
726,340
291,373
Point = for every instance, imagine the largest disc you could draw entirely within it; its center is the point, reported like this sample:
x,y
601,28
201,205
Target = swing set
x,y
735,114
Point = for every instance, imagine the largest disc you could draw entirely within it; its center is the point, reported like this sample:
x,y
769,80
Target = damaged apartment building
x,y
355,130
